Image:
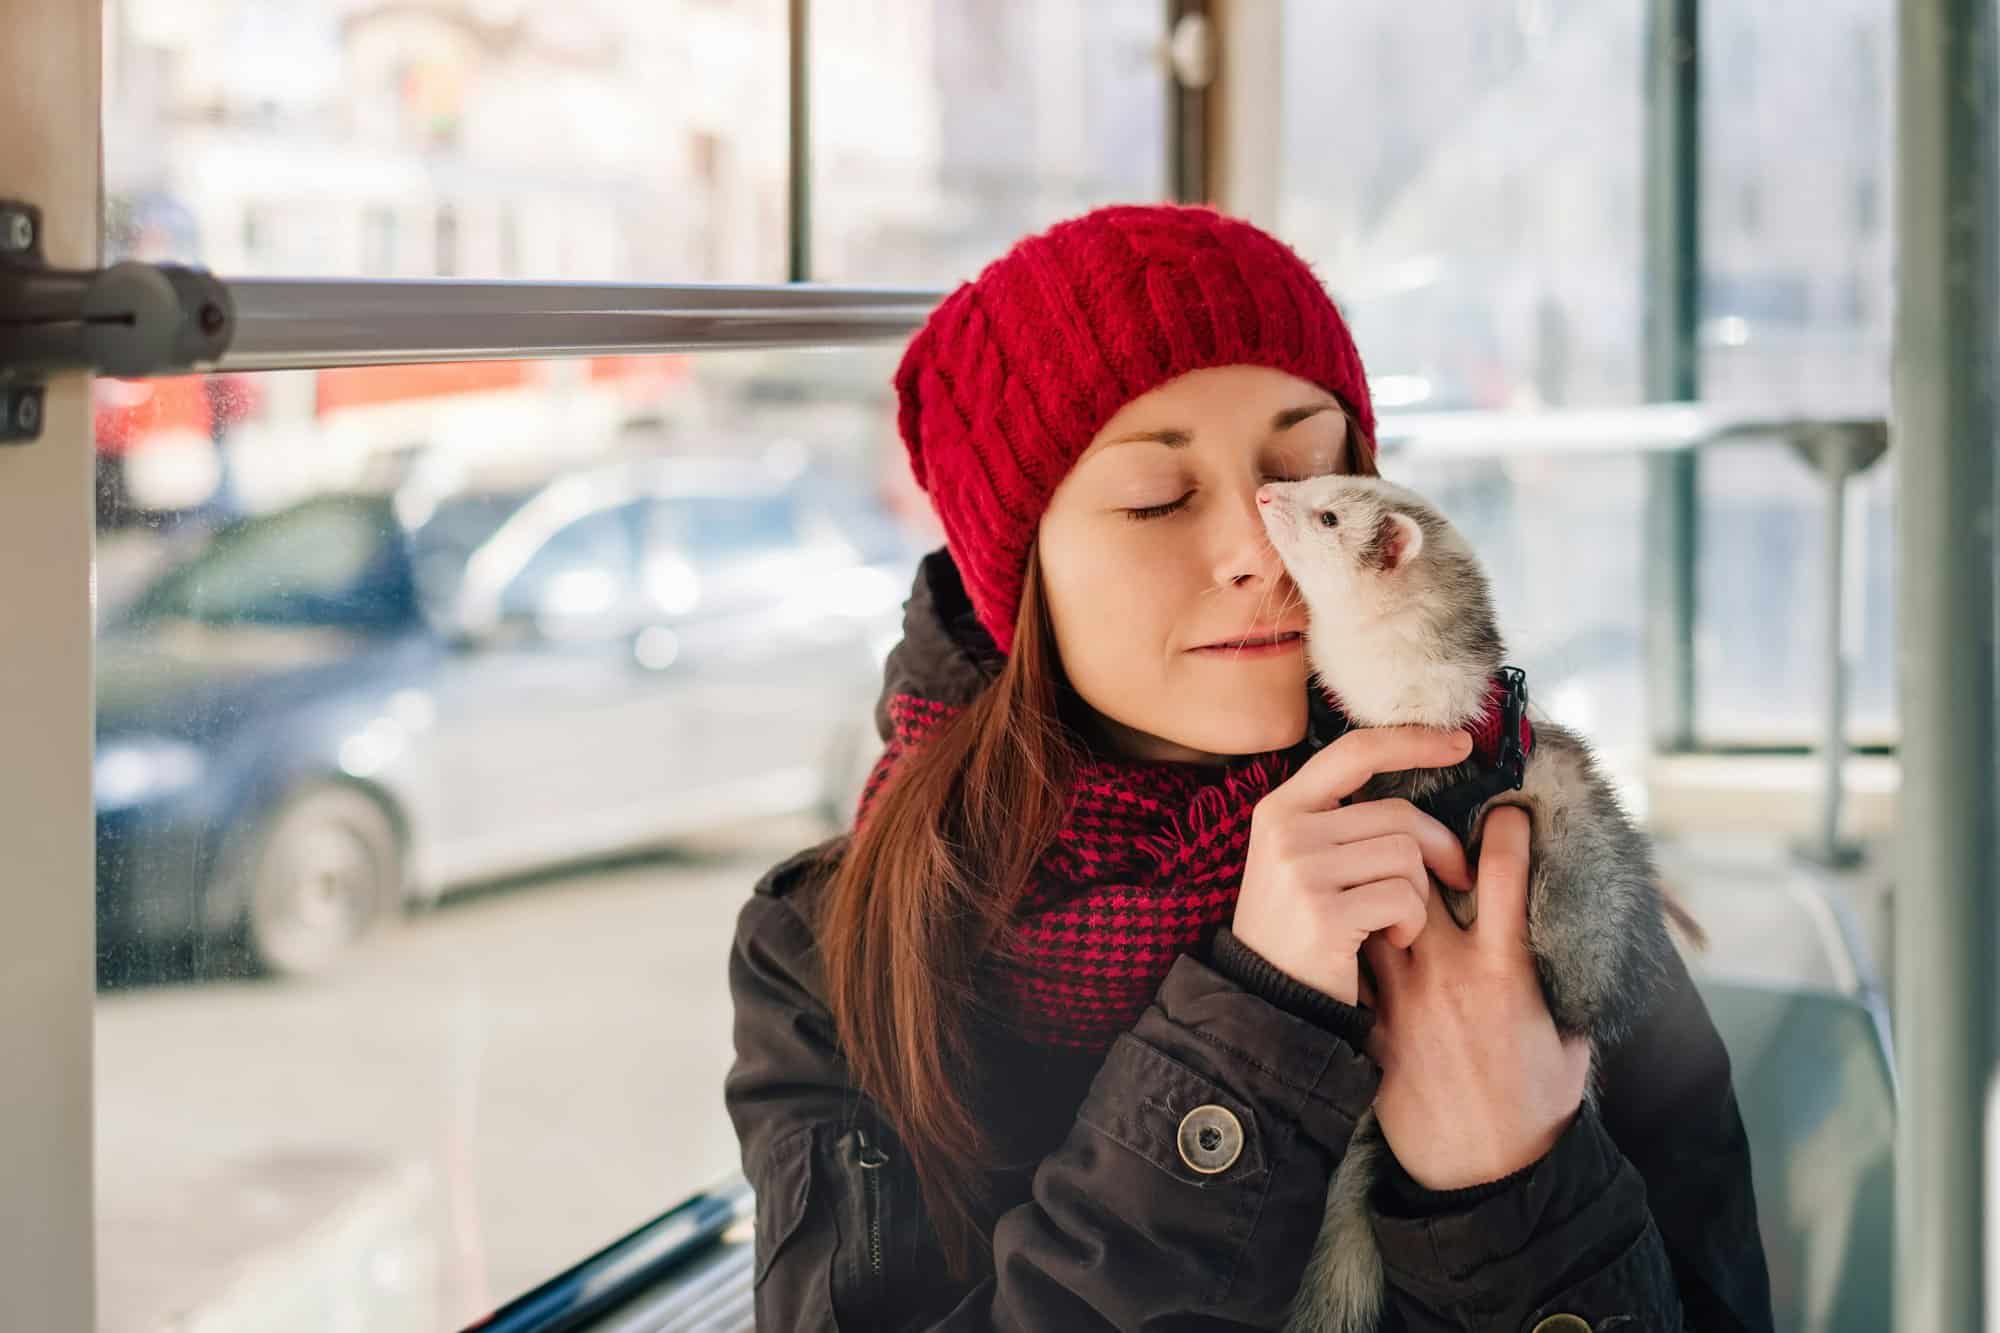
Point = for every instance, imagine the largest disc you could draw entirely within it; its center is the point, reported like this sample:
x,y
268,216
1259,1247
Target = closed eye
x,y
1158,511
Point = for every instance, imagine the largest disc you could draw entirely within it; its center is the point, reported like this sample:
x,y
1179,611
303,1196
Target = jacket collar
x,y
945,655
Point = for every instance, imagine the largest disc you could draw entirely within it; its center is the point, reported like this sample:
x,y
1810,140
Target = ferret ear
x,y
1398,540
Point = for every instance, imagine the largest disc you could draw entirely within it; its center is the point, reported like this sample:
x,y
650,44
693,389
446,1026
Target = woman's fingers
x,y
1319,880
1440,848
1503,880
1350,865
1342,768
1395,907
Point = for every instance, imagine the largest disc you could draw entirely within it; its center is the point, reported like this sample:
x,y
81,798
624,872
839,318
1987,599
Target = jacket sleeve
x,y
1119,1232
1641,1217
1668,1101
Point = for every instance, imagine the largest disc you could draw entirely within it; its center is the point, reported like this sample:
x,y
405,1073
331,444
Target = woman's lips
x,y
1263,645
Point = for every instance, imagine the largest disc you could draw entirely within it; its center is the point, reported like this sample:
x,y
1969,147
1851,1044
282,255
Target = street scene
x,y
492,1090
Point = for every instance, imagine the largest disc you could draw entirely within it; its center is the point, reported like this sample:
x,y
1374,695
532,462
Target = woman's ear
x,y
1398,541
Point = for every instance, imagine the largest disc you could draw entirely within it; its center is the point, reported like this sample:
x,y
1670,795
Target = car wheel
x,y
327,869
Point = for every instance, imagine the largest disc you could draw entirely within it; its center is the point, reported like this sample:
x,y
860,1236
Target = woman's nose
x,y
1248,550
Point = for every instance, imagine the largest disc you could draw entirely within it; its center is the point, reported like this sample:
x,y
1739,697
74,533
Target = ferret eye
x,y
1328,519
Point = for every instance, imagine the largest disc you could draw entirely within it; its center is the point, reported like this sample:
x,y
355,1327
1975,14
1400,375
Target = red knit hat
x,y
1015,372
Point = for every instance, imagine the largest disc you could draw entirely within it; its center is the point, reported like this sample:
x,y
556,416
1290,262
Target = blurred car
x,y
362,700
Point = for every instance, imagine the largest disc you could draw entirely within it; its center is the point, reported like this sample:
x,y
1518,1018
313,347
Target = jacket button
x,y
1211,1139
1563,1323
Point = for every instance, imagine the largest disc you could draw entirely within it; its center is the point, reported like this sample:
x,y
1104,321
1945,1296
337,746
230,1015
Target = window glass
x,y
1795,221
1761,598
588,566
548,826
951,128
1796,243
521,139
721,528
1485,244
326,562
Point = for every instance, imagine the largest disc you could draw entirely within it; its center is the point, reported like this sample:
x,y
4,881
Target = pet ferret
x,y
1402,631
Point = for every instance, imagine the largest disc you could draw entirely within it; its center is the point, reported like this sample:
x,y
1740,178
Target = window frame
x,y
50,72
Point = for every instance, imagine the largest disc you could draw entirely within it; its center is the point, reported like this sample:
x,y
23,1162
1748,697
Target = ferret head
x,y
1403,628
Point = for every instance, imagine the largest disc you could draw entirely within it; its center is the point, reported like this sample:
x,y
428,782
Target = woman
x,y
1072,1031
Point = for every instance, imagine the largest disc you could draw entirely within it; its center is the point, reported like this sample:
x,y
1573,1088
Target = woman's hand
x,y
1476,1084
1320,878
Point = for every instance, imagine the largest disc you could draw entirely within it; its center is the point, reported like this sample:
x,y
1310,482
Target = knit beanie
x,y
1016,371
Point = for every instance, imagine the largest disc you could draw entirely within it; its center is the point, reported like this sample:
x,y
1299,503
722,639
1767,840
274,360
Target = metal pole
x,y
294,324
1839,452
1246,108
798,266
1673,271
1948,299
1833,741
49,94
1837,465
1191,62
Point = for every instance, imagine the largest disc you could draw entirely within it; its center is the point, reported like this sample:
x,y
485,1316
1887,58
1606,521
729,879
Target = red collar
x,y
1492,724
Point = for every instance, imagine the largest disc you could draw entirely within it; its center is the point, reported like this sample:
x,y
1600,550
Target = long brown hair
x,y
923,888
927,884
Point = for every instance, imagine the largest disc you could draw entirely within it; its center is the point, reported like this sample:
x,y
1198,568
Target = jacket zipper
x,y
872,1160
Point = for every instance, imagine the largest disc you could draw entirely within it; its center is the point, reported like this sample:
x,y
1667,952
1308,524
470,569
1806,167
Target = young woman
x,y
1072,1031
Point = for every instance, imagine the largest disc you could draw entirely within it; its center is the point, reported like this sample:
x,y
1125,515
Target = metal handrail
x,y
318,324
629,1265
1643,428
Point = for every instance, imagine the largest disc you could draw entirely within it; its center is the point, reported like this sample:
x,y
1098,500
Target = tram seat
x,y
1814,1080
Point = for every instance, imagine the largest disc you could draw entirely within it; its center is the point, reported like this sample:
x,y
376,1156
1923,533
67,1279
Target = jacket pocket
x,y
781,1203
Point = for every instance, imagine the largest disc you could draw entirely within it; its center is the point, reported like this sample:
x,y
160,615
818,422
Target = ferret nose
x,y
1264,495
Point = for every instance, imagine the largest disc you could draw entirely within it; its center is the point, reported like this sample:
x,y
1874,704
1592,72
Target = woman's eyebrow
x,y
1172,438
1175,438
1292,416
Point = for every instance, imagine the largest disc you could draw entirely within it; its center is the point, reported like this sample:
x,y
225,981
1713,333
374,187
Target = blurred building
x,y
582,139
434,138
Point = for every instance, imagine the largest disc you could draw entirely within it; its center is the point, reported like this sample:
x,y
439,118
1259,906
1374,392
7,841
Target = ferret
x,y
1402,631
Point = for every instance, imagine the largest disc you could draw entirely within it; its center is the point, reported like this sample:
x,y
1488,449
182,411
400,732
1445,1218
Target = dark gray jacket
x,y
1642,1214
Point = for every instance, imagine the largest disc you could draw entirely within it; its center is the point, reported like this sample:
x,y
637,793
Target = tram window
x,y
536,140
1019,114
1795,320
462,1101
1795,313
1761,645
1486,246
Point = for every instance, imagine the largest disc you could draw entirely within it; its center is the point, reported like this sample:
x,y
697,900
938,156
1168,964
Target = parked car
x,y
361,701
